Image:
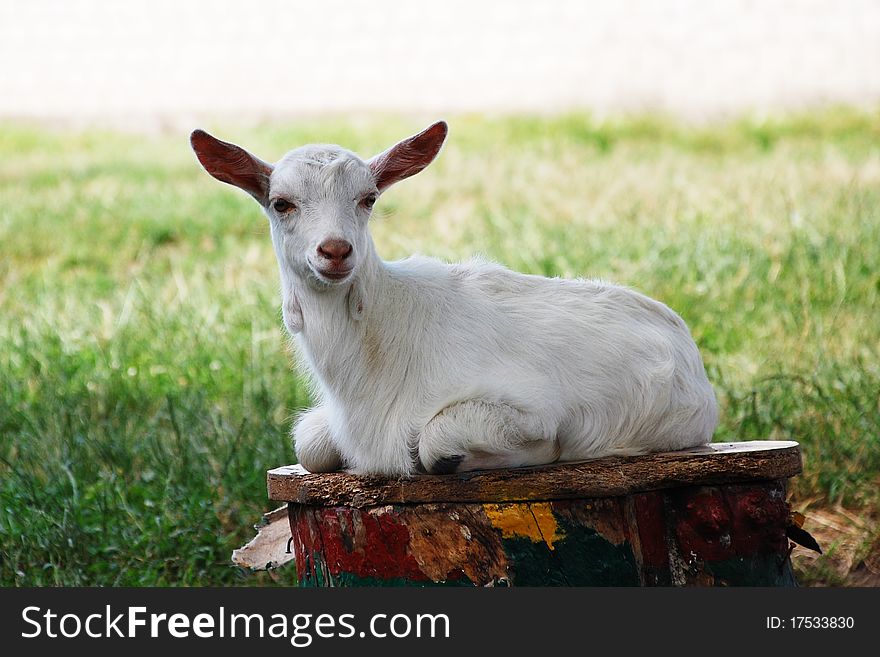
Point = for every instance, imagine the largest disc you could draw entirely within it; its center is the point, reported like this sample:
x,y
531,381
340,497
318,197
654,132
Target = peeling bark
x,y
268,549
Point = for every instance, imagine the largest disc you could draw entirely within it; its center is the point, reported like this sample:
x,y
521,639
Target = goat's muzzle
x,y
333,259
336,251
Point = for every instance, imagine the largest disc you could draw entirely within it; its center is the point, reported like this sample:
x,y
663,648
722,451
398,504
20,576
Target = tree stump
x,y
713,515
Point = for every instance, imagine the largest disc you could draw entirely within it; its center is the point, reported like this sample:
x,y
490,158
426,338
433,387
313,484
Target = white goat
x,y
419,365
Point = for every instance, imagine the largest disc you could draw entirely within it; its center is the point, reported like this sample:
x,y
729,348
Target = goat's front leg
x,y
475,435
313,442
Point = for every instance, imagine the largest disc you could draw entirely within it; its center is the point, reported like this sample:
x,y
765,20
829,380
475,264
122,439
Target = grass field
x,y
146,385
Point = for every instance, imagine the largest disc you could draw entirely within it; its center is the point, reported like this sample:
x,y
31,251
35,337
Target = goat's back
x,y
613,370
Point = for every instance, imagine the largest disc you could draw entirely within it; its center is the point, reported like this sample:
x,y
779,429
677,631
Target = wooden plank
x,y
717,463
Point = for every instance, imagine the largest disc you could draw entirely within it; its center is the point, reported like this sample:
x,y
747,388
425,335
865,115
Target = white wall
x,y
81,58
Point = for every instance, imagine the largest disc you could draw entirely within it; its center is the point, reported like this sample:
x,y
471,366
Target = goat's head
x,y
319,198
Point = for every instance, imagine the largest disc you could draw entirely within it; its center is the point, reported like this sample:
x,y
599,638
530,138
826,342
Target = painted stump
x,y
710,516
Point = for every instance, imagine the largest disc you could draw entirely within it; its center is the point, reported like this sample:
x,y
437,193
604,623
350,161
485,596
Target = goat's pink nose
x,y
334,249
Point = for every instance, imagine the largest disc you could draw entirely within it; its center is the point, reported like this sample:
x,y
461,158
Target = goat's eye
x,y
368,201
282,206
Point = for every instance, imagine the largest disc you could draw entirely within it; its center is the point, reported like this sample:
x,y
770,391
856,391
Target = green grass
x,y
146,386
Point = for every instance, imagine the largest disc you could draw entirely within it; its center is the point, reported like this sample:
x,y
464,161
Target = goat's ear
x,y
408,157
233,165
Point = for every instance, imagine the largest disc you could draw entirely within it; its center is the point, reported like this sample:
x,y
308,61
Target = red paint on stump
x,y
651,524
345,533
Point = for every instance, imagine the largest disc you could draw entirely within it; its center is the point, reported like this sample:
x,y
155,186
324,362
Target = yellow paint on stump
x,y
533,521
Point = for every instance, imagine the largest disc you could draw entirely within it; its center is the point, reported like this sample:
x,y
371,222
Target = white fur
x,y
419,363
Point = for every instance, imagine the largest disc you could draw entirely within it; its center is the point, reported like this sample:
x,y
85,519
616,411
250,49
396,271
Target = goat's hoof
x,y
446,465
